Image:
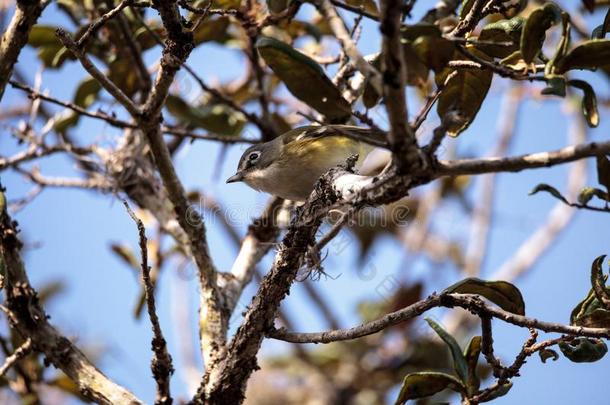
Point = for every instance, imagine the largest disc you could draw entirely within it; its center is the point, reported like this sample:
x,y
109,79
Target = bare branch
x,y
467,301
17,355
104,81
97,24
109,118
337,25
161,363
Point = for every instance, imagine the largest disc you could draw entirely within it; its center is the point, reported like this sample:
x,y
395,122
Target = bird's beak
x,y
236,177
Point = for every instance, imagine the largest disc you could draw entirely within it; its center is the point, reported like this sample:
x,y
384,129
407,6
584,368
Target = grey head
x,y
254,159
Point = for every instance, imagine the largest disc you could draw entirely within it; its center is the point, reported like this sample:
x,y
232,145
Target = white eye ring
x,y
253,156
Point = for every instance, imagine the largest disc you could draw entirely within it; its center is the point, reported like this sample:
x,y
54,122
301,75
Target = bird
x,y
289,165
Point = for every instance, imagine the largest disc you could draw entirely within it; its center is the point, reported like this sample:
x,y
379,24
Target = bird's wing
x,y
366,135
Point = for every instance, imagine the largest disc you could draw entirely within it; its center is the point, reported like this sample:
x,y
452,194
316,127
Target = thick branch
x,y
30,320
16,36
518,163
401,136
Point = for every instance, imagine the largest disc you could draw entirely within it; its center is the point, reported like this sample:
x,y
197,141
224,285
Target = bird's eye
x,y
253,156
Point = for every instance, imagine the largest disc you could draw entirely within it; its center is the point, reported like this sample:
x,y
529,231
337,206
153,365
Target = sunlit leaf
x,y
411,32
587,193
500,391
548,189
584,350
425,384
590,54
43,35
463,95
503,31
591,312
471,354
589,102
216,118
123,74
546,354
304,78
370,6
502,293
212,30
603,171
598,280
127,255
459,361
534,31
435,52
277,6
85,95
555,85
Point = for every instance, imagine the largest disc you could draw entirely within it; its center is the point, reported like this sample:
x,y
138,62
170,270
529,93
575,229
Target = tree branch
x,y
29,319
518,163
161,363
16,36
401,137
467,301
17,355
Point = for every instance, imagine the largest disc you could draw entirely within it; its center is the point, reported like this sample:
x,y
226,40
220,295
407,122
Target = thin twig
x,y
161,363
17,355
106,83
466,301
97,24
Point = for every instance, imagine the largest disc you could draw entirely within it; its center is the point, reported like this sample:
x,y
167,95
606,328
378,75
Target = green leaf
x,y
43,35
425,384
216,118
85,95
126,255
464,94
556,86
589,102
435,52
548,189
562,47
51,51
598,280
459,361
502,293
471,354
603,171
534,31
601,30
304,78
587,193
591,312
367,5
212,30
500,391
584,350
277,6
590,54
501,31
411,32
546,354
370,96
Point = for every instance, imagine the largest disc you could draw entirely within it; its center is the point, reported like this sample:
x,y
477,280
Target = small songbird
x,y
289,165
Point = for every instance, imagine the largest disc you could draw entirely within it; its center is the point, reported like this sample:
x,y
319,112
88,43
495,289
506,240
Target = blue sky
x,y
68,233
